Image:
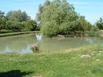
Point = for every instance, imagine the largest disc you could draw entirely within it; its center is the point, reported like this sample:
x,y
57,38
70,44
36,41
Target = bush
x,y
30,25
14,26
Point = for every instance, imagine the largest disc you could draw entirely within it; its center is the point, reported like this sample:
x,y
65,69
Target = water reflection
x,y
90,40
24,50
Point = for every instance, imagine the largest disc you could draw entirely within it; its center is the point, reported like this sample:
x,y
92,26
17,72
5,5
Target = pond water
x,y
23,43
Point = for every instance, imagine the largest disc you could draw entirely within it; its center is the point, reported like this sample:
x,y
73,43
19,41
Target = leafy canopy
x,y
59,17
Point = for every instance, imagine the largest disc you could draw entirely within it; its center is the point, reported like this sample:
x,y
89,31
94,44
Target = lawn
x,y
80,62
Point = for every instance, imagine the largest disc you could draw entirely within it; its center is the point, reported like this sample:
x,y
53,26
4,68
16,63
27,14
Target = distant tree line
x,y
59,17
55,17
16,21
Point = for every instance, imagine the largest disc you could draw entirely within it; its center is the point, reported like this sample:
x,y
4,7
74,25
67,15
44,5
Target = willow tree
x,y
56,17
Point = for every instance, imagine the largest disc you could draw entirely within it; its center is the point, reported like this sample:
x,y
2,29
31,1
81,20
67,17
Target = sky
x,y
91,9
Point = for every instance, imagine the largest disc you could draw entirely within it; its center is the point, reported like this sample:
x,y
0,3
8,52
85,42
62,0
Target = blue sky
x,y
91,9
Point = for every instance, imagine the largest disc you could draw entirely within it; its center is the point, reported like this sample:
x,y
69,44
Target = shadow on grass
x,y
14,73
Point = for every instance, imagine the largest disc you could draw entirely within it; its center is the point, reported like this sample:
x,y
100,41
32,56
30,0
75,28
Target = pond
x,y
23,43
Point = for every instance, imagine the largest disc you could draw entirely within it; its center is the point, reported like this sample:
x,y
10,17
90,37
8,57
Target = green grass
x,y
69,63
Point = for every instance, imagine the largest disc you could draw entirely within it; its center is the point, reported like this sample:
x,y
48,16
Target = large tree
x,y
56,17
17,16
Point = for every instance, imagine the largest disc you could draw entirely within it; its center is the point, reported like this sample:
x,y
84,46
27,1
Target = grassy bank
x,y
16,33
71,34
80,62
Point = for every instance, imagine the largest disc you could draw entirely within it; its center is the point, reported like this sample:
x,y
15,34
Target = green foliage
x,y
30,25
2,20
94,28
99,24
84,25
50,29
53,15
17,16
59,17
14,26
16,21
